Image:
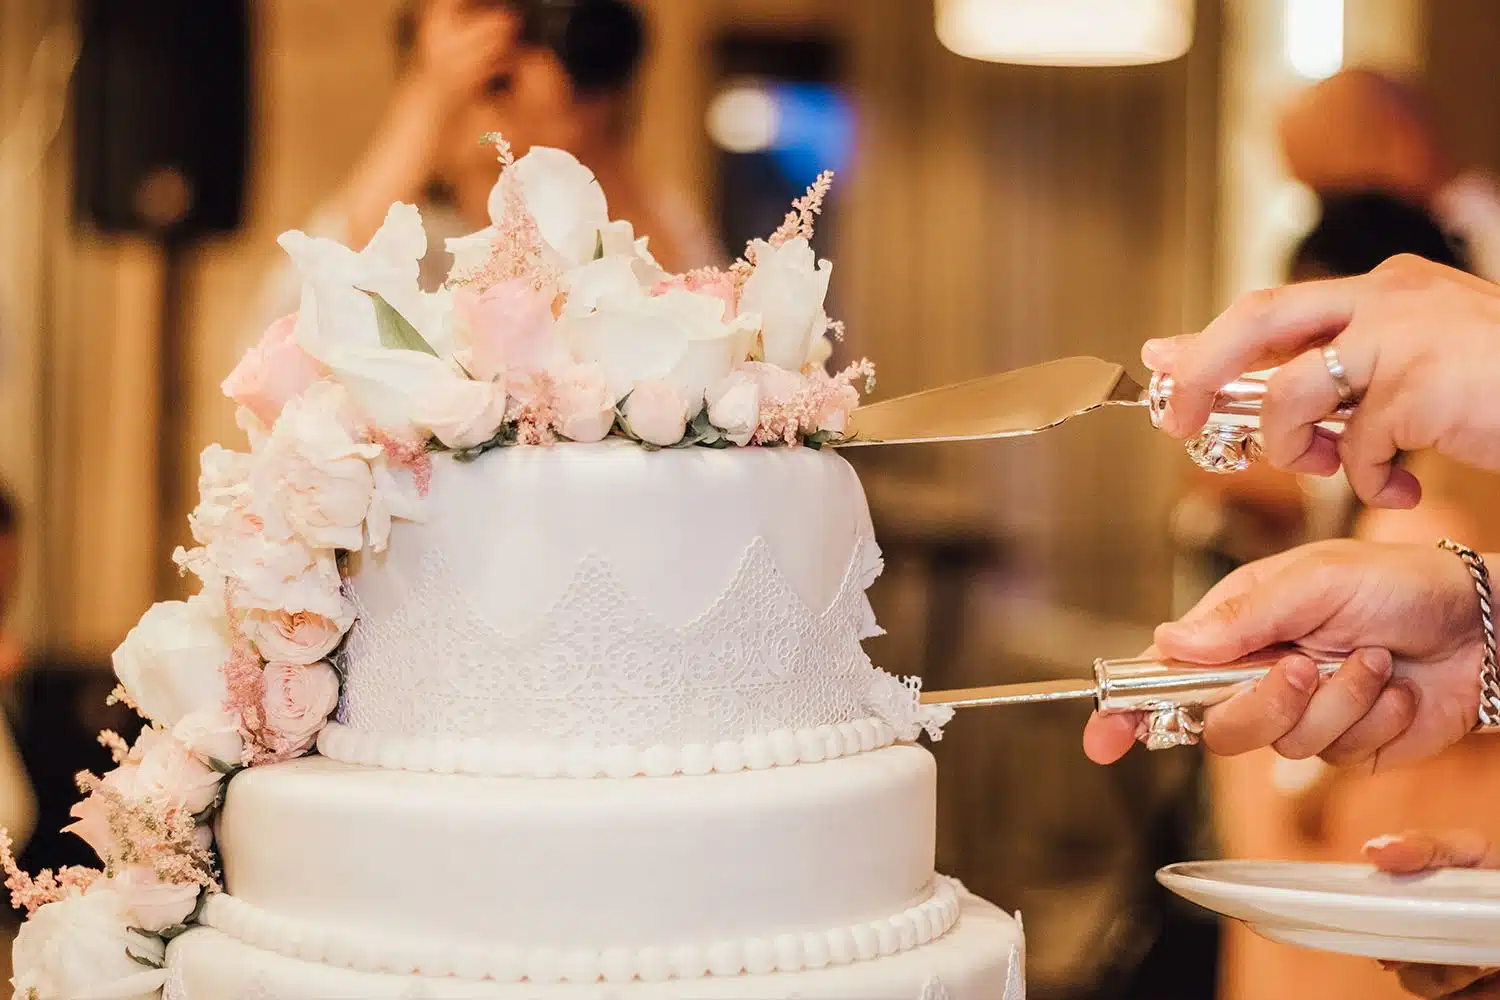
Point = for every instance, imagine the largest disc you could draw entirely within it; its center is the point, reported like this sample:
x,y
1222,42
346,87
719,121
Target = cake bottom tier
x,y
981,958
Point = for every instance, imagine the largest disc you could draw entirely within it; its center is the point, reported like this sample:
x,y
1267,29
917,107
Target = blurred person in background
x,y
1366,145
561,73
17,797
10,568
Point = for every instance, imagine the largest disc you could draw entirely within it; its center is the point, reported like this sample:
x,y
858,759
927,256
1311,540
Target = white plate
x,y
1449,917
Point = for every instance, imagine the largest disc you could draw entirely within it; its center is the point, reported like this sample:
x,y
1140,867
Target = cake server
x,y
1171,693
1031,400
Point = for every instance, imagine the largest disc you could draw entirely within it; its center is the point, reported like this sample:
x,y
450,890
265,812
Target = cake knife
x,y
1030,400
1162,688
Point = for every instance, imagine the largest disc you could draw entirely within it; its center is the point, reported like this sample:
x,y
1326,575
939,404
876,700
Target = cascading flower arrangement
x,y
555,325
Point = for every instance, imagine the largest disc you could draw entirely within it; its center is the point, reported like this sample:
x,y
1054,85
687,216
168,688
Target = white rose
x,y
787,290
656,413
314,473
172,775
679,337
295,637
151,904
585,406
211,735
170,662
299,700
82,948
734,407
462,414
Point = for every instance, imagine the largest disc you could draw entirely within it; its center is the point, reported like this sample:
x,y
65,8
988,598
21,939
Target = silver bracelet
x,y
1489,676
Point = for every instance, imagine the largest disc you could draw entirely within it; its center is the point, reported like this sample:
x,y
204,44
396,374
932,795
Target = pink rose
x,y
273,371
299,699
171,775
507,328
295,637
839,404
656,413
734,406
151,904
777,385
585,406
463,413
92,813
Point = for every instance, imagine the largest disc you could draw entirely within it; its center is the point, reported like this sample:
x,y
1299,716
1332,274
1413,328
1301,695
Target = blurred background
x,y
1019,180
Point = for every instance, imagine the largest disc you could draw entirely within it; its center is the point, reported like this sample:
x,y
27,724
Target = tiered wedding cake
x,y
604,726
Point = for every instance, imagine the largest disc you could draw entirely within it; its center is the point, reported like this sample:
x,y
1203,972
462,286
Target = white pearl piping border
x,y
506,758
785,953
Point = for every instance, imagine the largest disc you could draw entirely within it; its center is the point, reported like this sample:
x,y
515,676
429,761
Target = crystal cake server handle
x,y
1230,441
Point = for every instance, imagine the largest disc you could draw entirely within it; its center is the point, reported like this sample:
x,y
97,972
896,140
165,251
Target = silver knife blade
x,y
1010,404
1035,693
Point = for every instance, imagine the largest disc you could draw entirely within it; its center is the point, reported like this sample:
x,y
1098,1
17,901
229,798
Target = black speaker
x,y
162,105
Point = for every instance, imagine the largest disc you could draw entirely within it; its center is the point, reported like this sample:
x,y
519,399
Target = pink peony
x,y
298,701
585,406
273,372
656,413
507,328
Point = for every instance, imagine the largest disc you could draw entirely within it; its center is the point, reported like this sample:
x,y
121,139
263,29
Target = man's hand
x,y
1409,691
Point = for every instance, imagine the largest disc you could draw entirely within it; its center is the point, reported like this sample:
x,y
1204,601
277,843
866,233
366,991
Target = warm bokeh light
x,y
1067,32
743,119
1314,37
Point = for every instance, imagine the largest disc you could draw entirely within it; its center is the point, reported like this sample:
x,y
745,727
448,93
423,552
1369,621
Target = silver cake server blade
x,y
1140,684
1010,404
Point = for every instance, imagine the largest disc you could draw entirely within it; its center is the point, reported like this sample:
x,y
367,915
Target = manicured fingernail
x,y
1381,843
1378,662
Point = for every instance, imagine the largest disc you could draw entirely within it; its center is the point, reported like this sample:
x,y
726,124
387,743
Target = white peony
x,y
295,637
171,775
786,290
213,735
315,473
734,406
170,662
82,948
151,904
462,414
299,700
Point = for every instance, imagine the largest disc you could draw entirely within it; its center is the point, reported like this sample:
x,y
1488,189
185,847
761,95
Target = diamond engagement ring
x,y
1337,372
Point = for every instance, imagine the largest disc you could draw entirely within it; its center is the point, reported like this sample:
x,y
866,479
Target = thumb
x,y
1284,606
1409,853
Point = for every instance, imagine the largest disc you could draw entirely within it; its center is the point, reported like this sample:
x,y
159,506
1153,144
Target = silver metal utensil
x,y
1162,688
1031,400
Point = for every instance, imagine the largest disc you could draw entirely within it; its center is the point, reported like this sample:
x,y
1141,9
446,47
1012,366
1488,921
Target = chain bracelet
x,y
1489,675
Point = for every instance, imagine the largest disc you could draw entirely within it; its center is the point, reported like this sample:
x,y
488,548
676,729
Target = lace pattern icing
x,y
598,670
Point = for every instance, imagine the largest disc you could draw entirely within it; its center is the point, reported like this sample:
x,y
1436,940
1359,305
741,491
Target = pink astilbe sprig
x,y
406,453
503,152
820,404
119,696
245,693
532,407
162,838
31,893
115,744
805,211
517,250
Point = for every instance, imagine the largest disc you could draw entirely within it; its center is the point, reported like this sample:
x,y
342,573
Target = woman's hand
x,y
459,49
1409,691
1420,343
1411,853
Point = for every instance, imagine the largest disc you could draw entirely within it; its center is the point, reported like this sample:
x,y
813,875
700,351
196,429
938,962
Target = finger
x,y
1299,394
1321,457
1264,713
1107,738
1440,982
1158,355
1236,583
1259,329
1418,851
1337,704
1287,604
1390,716
1368,449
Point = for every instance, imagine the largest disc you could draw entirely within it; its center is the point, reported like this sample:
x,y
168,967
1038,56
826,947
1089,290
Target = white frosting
x,y
979,959
462,863
603,596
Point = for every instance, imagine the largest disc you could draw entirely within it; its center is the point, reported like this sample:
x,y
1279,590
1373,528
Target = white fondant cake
x,y
568,632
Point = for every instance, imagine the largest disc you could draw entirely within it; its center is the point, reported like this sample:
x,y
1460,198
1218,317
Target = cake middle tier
x,y
609,863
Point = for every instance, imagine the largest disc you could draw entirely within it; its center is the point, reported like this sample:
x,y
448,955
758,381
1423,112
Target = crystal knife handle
x,y
1156,685
1230,441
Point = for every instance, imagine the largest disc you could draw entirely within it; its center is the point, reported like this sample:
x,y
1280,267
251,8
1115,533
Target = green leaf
x,y
395,332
